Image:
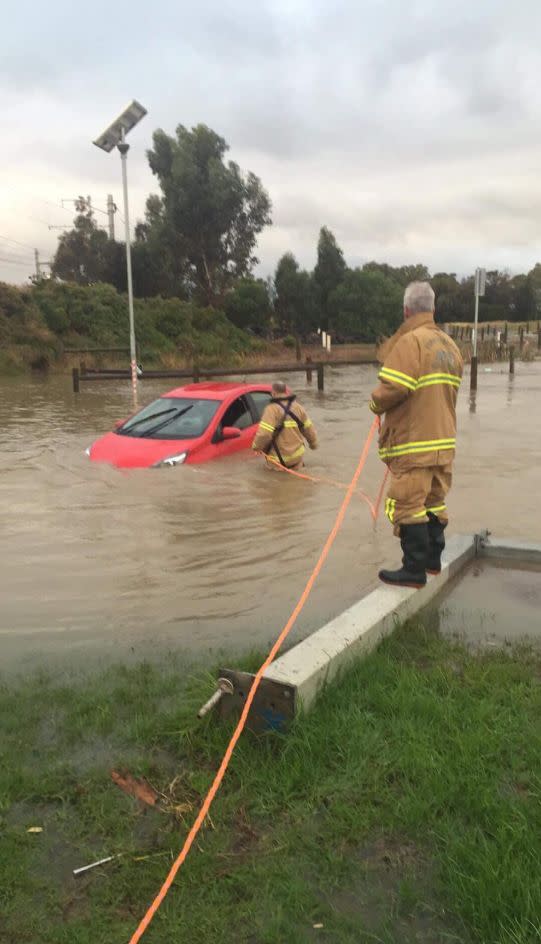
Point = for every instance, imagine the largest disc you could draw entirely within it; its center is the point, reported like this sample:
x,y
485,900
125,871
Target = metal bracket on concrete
x,y
482,540
273,707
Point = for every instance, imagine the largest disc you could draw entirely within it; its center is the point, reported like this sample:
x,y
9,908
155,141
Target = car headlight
x,y
171,460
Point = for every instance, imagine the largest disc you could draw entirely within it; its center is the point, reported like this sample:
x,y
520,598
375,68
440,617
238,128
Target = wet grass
x,y
405,808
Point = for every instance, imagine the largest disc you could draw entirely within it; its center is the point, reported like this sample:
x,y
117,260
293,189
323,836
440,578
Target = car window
x,y
171,418
238,415
261,399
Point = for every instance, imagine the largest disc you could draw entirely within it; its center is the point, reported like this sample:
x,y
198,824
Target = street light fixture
x,y
115,136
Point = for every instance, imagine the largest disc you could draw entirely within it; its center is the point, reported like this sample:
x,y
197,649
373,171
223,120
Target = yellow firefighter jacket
x,y
419,381
283,428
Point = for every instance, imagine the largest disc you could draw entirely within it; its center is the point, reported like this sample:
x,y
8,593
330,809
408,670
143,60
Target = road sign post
x,y
480,281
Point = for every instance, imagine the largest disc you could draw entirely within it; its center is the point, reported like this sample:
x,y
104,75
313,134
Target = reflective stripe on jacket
x,y
419,381
290,440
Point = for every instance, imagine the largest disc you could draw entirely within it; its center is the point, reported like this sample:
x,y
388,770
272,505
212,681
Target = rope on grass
x,y
215,786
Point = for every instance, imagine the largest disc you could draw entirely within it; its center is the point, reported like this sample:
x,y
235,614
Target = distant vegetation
x,y
38,324
193,262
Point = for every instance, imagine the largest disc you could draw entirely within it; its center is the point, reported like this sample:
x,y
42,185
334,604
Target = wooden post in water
x,y
309,369
75,379
473,374
320,377
521,338
539,336
505,333
512,359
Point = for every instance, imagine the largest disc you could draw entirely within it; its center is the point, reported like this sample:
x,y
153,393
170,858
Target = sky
x,y
412,130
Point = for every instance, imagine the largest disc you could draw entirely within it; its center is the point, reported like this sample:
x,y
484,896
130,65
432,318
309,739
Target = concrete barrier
x,y
294,680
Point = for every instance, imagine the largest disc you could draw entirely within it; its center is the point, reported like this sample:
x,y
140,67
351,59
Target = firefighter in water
x,y
283,428
417,393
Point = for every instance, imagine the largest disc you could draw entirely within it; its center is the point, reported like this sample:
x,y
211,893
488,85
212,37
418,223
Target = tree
x,y
84,254
209,214
366,305
295,297
329,271
403,275
248,306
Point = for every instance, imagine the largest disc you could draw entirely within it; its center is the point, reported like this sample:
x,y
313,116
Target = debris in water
x,y
136,787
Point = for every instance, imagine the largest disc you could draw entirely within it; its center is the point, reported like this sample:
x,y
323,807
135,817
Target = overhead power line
x,y
8,239
27,265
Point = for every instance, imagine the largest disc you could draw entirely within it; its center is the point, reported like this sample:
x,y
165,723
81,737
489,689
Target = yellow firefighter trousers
x,y
415,492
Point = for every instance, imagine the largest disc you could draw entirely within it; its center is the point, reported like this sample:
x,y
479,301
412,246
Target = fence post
x,y
320,377
512,359
505,333
521,338
309,361
75,379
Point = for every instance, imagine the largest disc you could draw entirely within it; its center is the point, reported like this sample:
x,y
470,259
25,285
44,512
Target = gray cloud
x,y
412,130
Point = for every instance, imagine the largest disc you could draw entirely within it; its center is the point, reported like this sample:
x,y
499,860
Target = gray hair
x,y
279,387
419,296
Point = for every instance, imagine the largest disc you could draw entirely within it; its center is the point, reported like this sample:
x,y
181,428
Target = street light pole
x,y
115,136
124,148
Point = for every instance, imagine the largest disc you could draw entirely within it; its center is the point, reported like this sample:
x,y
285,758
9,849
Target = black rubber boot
x,y
414,541
436,543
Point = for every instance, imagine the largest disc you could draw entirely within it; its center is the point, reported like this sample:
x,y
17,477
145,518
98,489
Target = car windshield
x,y
171,418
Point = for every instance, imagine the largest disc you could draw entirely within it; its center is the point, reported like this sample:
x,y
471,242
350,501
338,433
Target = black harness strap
x,y
287,412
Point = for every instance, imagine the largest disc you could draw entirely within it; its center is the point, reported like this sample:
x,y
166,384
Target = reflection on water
x,y
97,562
510,389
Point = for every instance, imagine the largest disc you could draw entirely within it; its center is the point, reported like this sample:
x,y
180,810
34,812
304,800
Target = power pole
x,y
111,210
38,267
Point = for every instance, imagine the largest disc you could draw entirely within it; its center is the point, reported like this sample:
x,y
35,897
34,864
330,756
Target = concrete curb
x,y
294,681
330,650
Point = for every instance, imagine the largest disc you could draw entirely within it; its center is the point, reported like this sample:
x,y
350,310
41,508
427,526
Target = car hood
x,y
131,452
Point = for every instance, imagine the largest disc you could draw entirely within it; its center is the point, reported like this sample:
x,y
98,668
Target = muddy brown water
x,y
100,565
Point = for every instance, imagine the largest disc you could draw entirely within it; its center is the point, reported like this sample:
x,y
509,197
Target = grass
x,y
404,808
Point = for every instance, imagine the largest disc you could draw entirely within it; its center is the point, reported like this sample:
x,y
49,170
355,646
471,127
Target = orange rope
x,y
374,507
207,803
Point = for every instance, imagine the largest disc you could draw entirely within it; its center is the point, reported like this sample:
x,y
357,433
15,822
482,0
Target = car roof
x,y
216,391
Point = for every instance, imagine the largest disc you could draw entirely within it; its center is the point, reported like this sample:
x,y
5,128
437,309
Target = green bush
x,y
289,341
36,324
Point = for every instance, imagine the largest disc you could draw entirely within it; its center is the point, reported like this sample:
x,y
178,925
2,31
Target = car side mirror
x,y
230,432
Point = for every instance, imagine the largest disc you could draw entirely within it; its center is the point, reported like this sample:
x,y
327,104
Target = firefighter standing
x,y
419,381
283,428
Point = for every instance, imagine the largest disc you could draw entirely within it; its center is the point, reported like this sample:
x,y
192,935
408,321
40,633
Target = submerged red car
x,y
191,424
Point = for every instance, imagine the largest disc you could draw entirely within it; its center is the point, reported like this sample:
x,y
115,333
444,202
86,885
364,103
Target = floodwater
x,y
491,604
98,564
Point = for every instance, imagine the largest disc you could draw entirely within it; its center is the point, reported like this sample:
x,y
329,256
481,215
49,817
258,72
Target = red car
x,y
191,424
